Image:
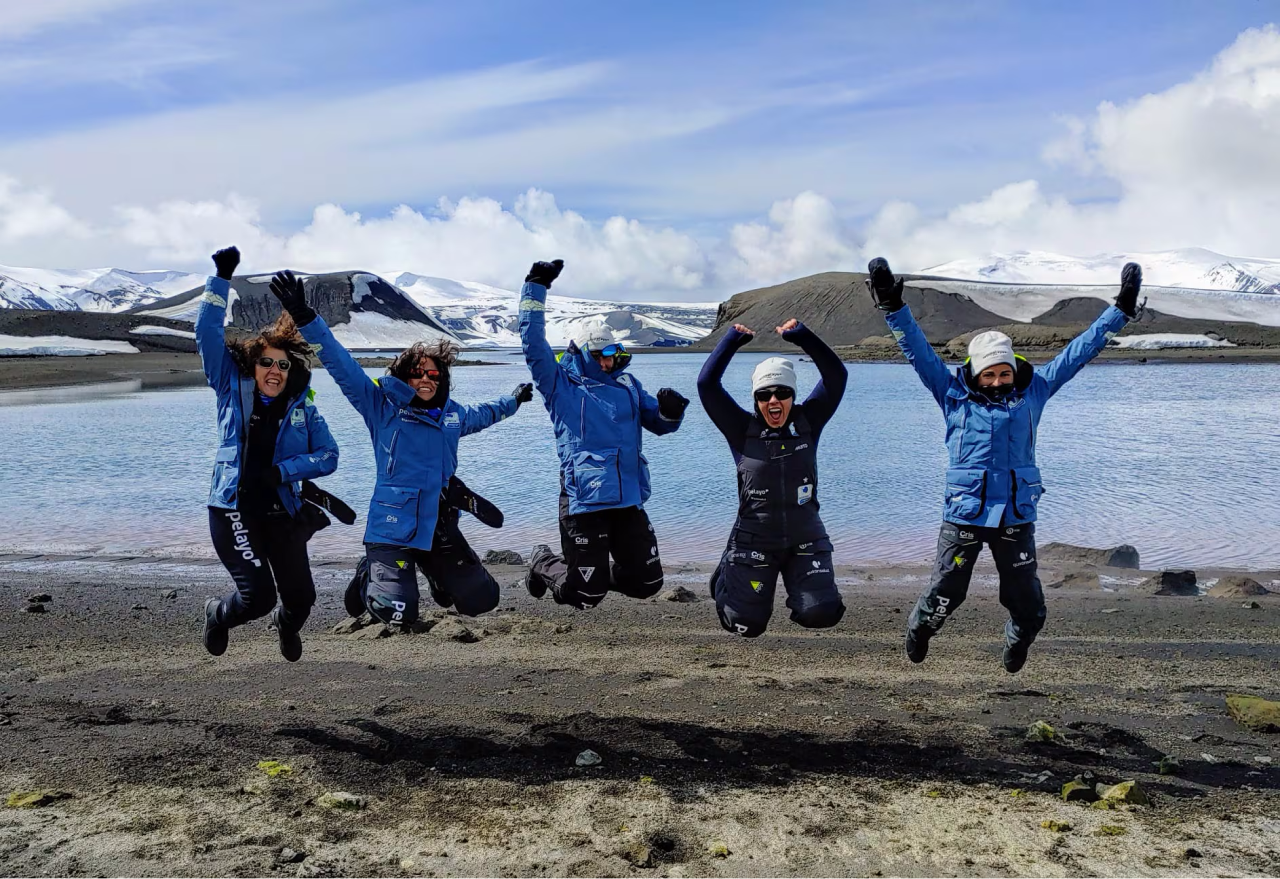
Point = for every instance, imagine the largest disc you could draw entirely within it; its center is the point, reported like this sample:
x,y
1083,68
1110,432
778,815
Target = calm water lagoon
x,y
1179,460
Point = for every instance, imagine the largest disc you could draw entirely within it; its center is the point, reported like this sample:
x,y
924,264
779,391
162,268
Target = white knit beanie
x,y
598,338
774,372
989,348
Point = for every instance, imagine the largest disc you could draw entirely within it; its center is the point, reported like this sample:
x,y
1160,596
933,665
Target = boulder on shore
x,y
503,557
1237,586
1066,554
1171,583
1254,712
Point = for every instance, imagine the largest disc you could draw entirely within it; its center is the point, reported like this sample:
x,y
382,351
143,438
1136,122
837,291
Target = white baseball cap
x,y
989,348
774,372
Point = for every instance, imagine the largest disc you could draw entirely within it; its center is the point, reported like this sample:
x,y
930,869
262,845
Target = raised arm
x,y
547,374
728,417
346,372
321,458
1086,346
886,290
833,376
220,368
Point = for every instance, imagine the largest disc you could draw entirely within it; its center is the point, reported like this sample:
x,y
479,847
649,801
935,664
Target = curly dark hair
x,y
443,352
282,334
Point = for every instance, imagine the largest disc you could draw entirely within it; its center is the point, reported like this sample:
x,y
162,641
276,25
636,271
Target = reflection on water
x,y
1178,460
73,394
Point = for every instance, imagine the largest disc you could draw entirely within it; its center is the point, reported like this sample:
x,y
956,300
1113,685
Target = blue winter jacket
x,y
415,453
597,417
993,479
305,448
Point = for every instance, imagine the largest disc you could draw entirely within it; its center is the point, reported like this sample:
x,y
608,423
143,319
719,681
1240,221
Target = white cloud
x,y
1194,165
804,235
20,19
32,213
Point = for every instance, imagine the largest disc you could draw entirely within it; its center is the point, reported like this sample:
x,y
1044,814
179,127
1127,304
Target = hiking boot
x,y
290,641
1016,657
442,598
535,585
353,597
215,633
917,645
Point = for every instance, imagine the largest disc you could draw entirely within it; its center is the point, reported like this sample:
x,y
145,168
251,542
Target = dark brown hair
x,y
282,334
443,352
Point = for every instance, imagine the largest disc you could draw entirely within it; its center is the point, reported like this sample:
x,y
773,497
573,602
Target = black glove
x,y
544,272
288,288
523,393
671,404
225,262
1130,286
885,289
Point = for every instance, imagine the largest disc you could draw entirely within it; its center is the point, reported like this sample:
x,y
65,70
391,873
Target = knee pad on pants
x,y
819,616
747,624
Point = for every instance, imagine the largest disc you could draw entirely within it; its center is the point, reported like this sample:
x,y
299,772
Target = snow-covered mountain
x,y
109,290
484,316
1193,267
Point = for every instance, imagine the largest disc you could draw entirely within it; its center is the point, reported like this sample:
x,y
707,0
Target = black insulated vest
x,y
778,483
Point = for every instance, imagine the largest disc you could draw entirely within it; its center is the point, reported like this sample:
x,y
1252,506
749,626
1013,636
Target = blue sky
x,y
693,117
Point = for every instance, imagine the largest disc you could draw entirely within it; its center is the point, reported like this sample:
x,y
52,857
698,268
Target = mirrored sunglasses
x,y
267,362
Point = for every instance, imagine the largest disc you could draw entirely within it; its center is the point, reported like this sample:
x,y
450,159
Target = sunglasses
x,y
268,362
611,351
431,374
764,395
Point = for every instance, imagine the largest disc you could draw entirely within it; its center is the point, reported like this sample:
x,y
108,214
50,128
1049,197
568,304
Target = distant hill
x,y
837,306
144,332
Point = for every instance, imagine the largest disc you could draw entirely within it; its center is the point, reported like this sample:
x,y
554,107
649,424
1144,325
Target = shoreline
x,y
168,370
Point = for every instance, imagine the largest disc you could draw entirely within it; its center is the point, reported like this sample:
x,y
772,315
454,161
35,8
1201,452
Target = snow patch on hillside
x,y
1191,268
1154,341
1023,303
60,346
372,331
149,330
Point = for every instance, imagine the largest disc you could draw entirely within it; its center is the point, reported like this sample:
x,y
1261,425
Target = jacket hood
x,y
579,362
1022,373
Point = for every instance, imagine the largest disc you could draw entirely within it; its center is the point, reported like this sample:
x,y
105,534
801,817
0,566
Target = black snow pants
x,y
1013,547
745,583
582,575
454,574
264,554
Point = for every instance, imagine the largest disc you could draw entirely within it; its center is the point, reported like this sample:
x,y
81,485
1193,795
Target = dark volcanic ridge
x,y
97,326
837,307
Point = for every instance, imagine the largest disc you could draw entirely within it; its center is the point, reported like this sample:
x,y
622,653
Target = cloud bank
x,y
1194,165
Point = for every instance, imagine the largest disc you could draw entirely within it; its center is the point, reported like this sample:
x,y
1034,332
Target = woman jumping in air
x,y
775,448
992,405
272,438
415,426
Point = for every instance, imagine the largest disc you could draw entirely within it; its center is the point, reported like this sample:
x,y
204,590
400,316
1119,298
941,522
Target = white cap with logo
x,y
989,348
774,372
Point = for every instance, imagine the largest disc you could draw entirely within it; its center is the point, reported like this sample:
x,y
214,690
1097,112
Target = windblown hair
x,y
443,352
282,334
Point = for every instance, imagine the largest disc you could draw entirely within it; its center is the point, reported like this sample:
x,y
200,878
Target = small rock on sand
x,y
40,598
1251,605
680,594
1125,792
503,557
452,630
1077,580
371,633
1258,714
34,608
1041,732
588,758
289,856
1171,583
349,625
1237,586
1079,790
341,800
170,595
